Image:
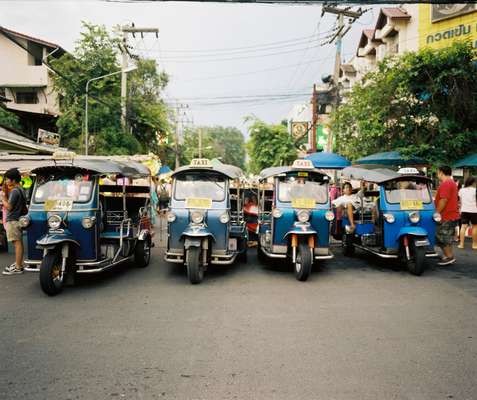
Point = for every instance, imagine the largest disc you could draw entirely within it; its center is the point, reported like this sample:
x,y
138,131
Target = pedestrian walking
x,y
468,211
447,205
14,201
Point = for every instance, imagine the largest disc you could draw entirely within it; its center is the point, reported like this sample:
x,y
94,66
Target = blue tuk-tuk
x,y
205,217
401,222
294,216
86,216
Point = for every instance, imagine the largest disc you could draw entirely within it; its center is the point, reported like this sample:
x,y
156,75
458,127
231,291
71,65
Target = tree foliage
x,y
9,119
97,54
423,103
224,143
269,145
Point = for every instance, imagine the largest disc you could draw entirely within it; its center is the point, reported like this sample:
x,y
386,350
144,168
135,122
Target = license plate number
x,y
195,202
303,203
411,205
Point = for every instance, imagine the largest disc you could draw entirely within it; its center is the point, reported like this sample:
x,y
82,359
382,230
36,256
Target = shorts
x,y
467,217
445,232
14,231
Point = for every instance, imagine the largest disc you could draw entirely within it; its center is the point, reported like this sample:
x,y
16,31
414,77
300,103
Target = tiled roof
x,y
31,38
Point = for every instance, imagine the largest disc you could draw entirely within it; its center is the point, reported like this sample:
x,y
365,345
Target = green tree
x,y
97,54
423,103
224,143
9,119
269,145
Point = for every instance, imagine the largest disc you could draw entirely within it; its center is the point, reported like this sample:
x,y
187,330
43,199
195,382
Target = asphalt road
x,y
355,330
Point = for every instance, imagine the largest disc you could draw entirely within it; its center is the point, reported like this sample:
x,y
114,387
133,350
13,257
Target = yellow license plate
x,y
411,205
58,205
195,202
302,173
303,203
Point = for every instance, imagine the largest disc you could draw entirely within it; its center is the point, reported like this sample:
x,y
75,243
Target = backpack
x,y
24,210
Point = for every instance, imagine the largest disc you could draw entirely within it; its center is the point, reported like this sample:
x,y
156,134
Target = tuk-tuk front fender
x,y
197,232
413,231
53,239
301,229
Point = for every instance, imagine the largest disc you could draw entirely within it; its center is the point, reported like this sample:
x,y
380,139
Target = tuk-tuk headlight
x,y
303,216
196,217
224,218
389,218
330,216
277,213
171,216
414,217
437,217
54,222
88,222
24,221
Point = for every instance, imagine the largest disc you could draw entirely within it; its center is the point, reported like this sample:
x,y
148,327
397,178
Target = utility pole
x,y
314,120
200,142
337,37
180,119
126,31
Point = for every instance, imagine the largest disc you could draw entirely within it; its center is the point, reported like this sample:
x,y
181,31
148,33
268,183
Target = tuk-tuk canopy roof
x,y
273,171
379,175
96,166
230,171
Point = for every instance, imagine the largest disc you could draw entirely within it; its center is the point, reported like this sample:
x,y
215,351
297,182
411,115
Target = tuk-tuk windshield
x,y
297,187
78,189
200,186
397,191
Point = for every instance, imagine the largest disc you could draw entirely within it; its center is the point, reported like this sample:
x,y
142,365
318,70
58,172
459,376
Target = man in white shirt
x,y
468,210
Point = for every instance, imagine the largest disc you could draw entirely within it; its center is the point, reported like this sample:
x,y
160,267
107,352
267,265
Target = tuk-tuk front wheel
x,y
51,276
304,262
195,271
142,252
416,264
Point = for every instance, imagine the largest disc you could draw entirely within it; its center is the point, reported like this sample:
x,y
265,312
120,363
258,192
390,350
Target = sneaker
x,y
446,261
12,270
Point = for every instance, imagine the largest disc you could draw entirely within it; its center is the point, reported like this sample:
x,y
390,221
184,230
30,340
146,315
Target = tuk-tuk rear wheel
x,y
304,262
195,271
51,277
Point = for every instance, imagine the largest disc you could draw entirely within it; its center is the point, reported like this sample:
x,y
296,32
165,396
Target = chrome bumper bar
x,y
215,259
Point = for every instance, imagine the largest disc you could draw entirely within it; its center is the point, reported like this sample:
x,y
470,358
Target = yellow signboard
x,y
196,202
303,203
440,25
58,205
411,205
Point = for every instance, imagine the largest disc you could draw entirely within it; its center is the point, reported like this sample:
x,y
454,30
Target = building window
x,y
35,53
26,98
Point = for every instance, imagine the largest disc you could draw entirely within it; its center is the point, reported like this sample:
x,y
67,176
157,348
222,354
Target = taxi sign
x,y
408,171
58,205
201,163
303,203
411,204
63,155
197,202
302,164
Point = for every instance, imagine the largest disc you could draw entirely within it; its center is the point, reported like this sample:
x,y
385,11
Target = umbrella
x,y
326,160
164,170
390,158
469,161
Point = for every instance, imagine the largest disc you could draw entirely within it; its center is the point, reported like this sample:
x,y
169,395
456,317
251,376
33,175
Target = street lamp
x,y
86,133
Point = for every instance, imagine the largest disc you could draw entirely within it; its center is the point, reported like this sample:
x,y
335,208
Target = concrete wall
x,y
16,72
